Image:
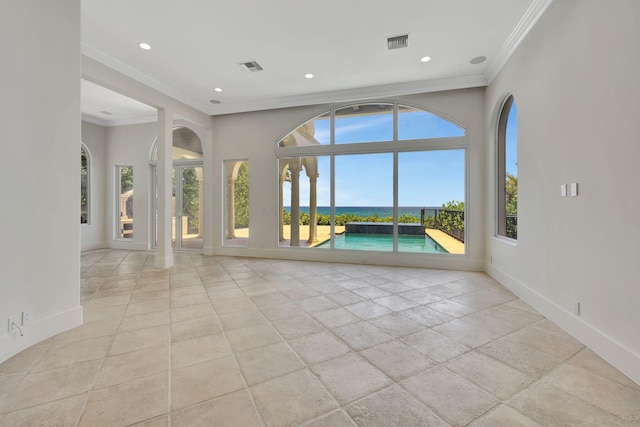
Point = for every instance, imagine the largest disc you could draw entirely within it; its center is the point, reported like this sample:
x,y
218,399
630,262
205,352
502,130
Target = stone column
x,y
164,250
294,168
313,229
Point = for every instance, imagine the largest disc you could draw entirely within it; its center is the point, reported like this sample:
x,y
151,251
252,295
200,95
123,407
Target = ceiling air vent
x,y
251,66
398,42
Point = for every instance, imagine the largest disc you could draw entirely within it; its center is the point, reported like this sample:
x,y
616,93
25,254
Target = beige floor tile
x,y
195,328
46,386
397,360
127,403
549,406
145,320
148,306
396,325
361,335
8,383
269,299
318,348
88,330
295,327
231,305
64,412
434,345
336,317
395,303
241,319
264,363
333,419
493,376
125,342
132,366
282,311
161,421
346,298
420,296
371,292
452,308
92,314
300,292
204,381
142,294
521,305
472,332
456,400
350,377
426,316
252,337
232,410
485,298
65,354
545,336
528,360
587,359
368,310
22,362
185,314
504,416
602,392
189,300
292,399
393,407
315,304
198,350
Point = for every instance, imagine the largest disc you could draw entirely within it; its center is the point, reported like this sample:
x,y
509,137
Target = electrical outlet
x,y
11,324
27,315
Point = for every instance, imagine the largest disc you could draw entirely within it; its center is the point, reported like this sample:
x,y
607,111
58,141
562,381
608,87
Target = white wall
x,y
130,146
254,136
39,169
93,234
575,80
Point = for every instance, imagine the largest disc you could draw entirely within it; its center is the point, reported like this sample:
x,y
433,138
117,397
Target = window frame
x,y
118,186
87,154
394,147
501,168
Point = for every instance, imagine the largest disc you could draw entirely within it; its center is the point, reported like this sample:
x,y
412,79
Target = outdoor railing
x,y
512,225
445,220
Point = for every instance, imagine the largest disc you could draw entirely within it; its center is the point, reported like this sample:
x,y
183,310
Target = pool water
x,y
384,242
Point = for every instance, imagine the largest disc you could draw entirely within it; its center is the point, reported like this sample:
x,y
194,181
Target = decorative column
x,y
313,229
164,250
200,200
294,168
231,203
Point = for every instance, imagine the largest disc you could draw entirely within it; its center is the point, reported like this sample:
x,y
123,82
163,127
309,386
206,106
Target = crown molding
x,y
530,18
122,122
358,94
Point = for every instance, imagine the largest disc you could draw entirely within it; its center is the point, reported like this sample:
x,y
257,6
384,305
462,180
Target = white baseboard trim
x,y
12,343
610,350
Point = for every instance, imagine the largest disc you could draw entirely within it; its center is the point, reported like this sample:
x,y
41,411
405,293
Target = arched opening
x,y
187,192
507,170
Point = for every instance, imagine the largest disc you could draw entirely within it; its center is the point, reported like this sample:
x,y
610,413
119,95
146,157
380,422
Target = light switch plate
x,y
563,190
574,189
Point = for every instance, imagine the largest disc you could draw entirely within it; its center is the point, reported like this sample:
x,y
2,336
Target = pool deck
x,y
451,245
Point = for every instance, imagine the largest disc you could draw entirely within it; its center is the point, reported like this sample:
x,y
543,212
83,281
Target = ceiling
x,y
197,45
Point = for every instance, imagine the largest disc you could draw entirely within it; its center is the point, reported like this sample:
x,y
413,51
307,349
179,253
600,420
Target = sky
x,y
511,141
425,178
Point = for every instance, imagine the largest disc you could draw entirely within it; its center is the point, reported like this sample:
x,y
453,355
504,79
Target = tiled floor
x,y
222,341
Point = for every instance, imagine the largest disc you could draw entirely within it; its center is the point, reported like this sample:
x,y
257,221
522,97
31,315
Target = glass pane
x,y
511,173
191,218
84,187
431,194
305,197
237,203
316,131
364,123
125,202
414,123
364,201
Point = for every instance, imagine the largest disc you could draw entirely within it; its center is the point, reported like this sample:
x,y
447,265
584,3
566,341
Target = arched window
x,y
85,181
373,176
507,170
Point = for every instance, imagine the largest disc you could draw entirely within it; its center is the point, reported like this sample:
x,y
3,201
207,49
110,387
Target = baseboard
x,y
92,246
610,350
12,343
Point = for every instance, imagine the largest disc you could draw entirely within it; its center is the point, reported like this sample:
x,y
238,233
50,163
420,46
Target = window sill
x,y
506,240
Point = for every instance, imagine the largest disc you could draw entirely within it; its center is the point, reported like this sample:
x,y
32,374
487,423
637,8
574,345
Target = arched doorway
x,y
187,192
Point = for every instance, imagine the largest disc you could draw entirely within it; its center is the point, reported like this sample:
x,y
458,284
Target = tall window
x,y
84,185
508,170
376,177
124,201
236,202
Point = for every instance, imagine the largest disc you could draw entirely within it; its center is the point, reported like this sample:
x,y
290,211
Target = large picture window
x,y
237,202
124,202
376,177
507,162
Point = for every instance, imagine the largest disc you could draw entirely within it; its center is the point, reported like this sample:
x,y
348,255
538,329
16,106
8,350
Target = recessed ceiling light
x,y
214,101
218,89
308,76
144,46
478,60
425,59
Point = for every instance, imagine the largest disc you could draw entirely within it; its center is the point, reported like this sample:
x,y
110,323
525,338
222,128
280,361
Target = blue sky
x,y
427,178
511,142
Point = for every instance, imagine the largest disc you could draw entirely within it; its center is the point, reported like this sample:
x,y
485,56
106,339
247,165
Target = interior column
x,y
164,250
294,168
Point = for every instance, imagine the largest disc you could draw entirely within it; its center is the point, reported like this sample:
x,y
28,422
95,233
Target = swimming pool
x,y
384,242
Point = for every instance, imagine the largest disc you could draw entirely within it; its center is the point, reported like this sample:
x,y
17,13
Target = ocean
x,y
364,211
